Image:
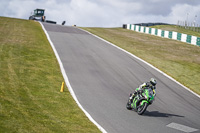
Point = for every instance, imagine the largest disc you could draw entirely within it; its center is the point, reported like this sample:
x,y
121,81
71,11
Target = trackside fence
x,y
165,34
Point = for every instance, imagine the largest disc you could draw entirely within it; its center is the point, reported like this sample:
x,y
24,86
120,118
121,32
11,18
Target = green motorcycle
x,y
142,100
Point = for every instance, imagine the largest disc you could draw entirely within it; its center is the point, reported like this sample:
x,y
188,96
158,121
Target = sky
x,y
106,13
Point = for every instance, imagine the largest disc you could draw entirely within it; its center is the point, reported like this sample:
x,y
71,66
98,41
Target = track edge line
x,y
68,83
143,62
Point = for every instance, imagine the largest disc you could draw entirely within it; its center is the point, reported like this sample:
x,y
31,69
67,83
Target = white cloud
x,y
180,11
104,13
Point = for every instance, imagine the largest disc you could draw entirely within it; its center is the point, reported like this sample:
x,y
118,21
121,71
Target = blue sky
x,y
106,13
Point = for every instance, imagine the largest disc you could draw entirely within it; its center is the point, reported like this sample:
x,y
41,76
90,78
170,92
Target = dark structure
x,y
49,21
151,24
38,15
124,26
63,23
146,24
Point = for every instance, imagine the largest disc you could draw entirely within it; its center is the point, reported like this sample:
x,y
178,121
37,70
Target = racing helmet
x,y
153,81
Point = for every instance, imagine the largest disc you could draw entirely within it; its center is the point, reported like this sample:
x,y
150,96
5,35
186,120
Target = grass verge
x,y
30,81
179,60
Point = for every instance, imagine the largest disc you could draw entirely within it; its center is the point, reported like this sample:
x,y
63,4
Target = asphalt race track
x,y
102,77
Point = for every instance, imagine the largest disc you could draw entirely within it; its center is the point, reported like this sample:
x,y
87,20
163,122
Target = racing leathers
x,y
141,88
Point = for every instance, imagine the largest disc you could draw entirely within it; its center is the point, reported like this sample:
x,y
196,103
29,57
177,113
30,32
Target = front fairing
x,y
136,98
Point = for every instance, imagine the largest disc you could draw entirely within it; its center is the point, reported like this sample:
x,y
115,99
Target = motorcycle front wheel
x,y
128,106
142,109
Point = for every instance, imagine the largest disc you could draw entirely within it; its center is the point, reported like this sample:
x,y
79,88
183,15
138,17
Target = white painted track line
x,y
181,127
145,63
68,83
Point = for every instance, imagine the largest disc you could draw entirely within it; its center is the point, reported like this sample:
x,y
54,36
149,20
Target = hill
x,y
30,81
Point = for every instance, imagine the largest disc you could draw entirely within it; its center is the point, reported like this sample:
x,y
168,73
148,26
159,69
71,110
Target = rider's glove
x,y
140,91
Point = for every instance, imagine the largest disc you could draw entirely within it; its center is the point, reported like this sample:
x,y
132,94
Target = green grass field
x,y
30,81
179,60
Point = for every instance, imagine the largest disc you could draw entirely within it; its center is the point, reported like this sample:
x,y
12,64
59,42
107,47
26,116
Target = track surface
x,y
102,77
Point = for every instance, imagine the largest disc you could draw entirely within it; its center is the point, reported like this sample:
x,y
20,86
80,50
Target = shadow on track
x,y
159,114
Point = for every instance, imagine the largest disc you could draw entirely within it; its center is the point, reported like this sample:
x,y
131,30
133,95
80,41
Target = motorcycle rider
x,y
151,84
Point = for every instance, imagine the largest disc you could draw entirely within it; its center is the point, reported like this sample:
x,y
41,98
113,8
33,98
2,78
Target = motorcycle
x,y
141,101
